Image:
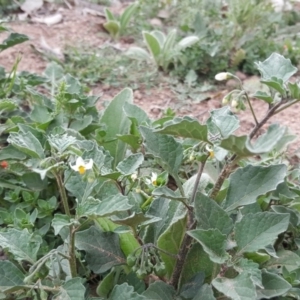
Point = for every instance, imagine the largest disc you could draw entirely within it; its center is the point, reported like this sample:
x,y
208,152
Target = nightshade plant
x,y
113,205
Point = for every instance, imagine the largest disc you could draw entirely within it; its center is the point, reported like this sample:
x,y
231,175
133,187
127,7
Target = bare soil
x,y
87,29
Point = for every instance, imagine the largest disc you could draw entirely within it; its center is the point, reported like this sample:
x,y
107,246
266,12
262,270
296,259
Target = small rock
x,y
155,110
106,87
156,22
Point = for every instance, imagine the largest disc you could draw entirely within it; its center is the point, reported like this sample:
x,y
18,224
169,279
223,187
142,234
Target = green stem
x,y
63,194
72,253
251,108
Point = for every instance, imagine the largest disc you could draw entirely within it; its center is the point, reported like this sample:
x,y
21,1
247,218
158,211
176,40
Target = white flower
x,y
222,76
82,165
154,178
134,176
210,151
234,103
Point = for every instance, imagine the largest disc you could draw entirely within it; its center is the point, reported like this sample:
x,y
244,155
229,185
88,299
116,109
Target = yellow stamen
x,y
81,170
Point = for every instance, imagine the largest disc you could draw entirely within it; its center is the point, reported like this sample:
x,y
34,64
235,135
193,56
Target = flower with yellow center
x,y
82,165
210,151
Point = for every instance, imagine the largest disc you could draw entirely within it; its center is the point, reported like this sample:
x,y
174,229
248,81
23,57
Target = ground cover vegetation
x,y
111,204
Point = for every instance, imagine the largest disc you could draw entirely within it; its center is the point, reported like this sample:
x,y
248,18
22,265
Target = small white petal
x,y
74,167
222,76
89,164
79,162
153,176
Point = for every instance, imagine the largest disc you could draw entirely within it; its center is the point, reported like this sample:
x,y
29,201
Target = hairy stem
x,y
251,108
72,253
187,240
63,194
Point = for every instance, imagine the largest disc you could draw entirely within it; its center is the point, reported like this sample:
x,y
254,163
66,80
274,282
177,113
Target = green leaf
x,y
294,90
276,65
130,164
109,15
165,192
13,39
190,289
187,42
274,285
61,142
54,72
23,245
27,144
263,96
188,186
152,44
256,231
113,28
82,123
138,53
134,112
40,114
73,289
210,215
246,184
59,222
11,278
106,284
290,260
125,292
169,43
108,206
116,122
206,292
276,84
132,140
10,152
159,290
222,122
238,288
134,220
102,249
163,147
251,268
127,14
213,243
7,106
170,241
185,127
197,261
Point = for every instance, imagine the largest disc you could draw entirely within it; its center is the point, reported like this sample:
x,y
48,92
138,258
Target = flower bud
x,y
234,103
222,76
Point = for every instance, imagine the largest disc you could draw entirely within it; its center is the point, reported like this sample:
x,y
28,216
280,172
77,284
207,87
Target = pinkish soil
x,y
86,29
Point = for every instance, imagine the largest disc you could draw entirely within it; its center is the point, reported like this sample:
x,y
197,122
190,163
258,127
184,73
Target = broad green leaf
x,y
125,292
222,122
163,147
247,183
197,261
206,292
190,289
54,72
170,241
160,36
109,206
27,144
263,96
73,289
239,288
40,114
188,186
134,112
116,122
290,260
130,164
251,268
138,53
165,192
258,257
81,123
21,244
276,65
274,285
61,142
11,277
134,220
187,42
13,39
169,43
102,249
160,290
152,44
109,15
185,127
210,215
132,140
106,284
213,243
294,89
7,106
276,84
10,152
127,14
113,28
60,221
256,231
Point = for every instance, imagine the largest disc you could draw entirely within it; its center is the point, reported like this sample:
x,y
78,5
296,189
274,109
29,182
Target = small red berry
x,y
4,164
